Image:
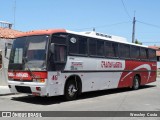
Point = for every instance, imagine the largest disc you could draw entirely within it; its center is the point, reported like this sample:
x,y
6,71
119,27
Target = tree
x,y
138,42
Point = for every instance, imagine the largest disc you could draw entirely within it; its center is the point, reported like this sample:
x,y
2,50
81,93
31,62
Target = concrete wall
x,y
3,71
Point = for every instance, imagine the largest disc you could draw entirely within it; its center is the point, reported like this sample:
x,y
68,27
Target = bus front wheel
x,y
71,90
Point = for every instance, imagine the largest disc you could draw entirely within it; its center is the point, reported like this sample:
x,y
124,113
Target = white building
x,y
7,36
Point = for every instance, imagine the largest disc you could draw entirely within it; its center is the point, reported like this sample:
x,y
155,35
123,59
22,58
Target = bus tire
x,y
71,90
136,82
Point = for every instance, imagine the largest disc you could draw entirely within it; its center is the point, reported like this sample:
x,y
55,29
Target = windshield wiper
x,y
25,63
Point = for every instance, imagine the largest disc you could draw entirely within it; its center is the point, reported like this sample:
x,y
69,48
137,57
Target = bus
x,y
62,62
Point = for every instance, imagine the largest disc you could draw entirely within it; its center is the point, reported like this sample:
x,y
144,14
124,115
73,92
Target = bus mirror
x,y
7,50
52,48
25,59
158,59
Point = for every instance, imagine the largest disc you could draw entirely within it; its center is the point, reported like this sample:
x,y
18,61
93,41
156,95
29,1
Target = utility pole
x,y
14,14
94,29
133,31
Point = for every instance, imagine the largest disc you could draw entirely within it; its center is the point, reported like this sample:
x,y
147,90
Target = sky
x,y
113,17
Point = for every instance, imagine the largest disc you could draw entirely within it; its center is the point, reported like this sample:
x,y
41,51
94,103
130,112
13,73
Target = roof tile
x,y
8,33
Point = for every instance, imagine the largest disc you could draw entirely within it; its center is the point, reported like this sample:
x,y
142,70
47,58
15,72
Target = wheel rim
x,y
72,90
136,83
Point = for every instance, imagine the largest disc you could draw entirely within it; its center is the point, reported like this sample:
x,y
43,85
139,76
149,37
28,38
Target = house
x,y
7,35
157,48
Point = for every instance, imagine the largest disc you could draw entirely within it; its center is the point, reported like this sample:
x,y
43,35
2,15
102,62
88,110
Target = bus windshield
x,y
29,52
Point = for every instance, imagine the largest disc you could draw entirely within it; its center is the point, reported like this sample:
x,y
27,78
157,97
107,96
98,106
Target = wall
x,y
3,71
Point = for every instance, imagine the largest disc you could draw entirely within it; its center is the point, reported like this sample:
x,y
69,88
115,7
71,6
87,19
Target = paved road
x,y
145,99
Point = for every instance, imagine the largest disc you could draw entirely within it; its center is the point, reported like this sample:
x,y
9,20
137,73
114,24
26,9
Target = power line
x,y
152,25
151,42
125,9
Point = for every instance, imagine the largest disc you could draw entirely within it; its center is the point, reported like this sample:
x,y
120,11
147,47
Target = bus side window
x,y
92,47
109,49
135,52
83,46
115,48
143,54
152,54
124,51
78,45
100,48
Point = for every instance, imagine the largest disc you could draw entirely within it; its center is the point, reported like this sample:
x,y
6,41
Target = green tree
x,y
138,42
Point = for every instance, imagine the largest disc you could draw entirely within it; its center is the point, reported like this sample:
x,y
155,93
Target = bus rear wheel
x,y
136,83
71,90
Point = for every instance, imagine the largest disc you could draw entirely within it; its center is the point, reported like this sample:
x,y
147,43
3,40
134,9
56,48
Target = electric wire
x,y
125,9
149,24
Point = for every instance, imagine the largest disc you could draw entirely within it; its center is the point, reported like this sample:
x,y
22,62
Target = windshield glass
x,y
29,52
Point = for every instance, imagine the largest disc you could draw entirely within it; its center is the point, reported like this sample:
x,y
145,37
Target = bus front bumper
x,y
36,89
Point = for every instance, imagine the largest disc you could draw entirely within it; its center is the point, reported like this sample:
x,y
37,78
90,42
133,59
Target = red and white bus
x,y
62,62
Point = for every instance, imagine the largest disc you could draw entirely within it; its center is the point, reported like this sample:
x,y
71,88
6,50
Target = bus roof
x,y
112,38
92,34
41,32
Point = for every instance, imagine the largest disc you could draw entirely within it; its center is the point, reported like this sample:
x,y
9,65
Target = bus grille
x,y
23,89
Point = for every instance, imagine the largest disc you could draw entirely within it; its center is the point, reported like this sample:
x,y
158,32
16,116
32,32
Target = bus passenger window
x,y
83,46
100,48
135,52
124,51
143,53
73,45
152,54
111,49
92,47
78,45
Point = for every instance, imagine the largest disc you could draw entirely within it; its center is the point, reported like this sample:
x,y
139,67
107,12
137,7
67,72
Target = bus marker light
x,y
38,88
42,80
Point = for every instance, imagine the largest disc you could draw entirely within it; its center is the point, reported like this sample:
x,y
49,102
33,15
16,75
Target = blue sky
x,y
107,16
